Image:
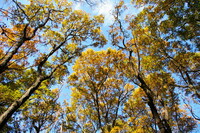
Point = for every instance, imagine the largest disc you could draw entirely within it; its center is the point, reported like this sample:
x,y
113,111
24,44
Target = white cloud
x,y
77,6
106,9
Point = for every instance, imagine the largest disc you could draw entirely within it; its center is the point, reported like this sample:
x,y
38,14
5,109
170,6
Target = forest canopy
x,y
148,80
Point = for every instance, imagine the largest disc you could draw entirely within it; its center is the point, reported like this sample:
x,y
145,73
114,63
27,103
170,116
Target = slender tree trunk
x,y
37,129
9,56
16,104
163,127
116,114
98,110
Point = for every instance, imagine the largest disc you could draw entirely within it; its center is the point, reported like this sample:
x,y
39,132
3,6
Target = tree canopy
x,y
147,81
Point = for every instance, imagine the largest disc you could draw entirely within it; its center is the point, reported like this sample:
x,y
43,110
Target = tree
x,y
41,111
152,37
166,101
138,115
178,27
43,36
99,93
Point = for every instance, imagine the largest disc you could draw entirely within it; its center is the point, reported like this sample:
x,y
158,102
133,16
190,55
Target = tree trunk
x,y
16,104
9,56
37,129
163,127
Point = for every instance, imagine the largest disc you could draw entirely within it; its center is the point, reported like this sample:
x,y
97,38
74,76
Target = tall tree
x,y
176,23
43,35
157,46
99,93
41,111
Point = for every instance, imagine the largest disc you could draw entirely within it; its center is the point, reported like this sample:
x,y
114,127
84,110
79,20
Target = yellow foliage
x,y
116,129
128,86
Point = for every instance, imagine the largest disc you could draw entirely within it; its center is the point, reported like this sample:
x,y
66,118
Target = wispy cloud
x,y
106,9
78,5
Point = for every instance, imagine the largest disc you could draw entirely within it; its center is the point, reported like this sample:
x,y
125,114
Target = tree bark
x,y
163,127
16,104
4,63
